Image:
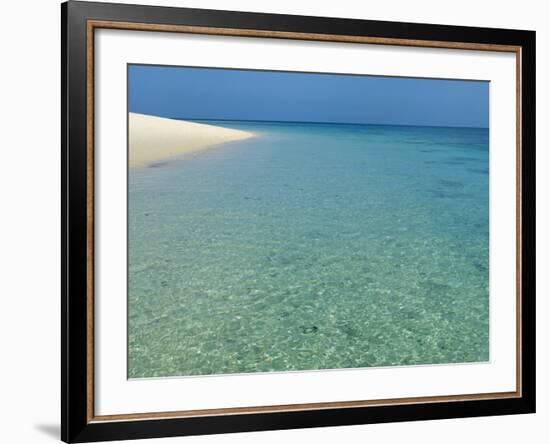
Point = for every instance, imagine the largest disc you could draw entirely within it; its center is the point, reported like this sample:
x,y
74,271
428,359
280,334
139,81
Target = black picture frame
x,y
76,423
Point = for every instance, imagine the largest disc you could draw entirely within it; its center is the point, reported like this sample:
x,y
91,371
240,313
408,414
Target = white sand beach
x,y
153,139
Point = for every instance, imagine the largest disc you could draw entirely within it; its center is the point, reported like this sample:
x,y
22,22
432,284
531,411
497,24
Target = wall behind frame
x,y
30,219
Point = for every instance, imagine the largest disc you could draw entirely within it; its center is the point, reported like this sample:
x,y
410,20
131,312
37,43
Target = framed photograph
x,y
275,221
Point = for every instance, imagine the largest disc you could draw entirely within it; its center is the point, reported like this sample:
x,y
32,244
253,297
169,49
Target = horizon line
x,y
329,123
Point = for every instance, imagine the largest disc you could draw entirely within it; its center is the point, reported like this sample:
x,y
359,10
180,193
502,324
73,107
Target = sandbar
x,y
153,139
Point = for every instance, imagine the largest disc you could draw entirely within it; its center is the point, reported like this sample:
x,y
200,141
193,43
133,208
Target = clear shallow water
x,y
311,246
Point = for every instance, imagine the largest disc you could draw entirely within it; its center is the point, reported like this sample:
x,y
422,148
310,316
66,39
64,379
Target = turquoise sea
x,y
311,246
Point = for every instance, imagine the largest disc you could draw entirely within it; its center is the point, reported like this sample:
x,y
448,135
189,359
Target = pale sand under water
x,y
153,139
314,246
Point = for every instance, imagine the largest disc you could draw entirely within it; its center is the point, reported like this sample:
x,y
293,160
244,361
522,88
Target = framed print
x,y
275,221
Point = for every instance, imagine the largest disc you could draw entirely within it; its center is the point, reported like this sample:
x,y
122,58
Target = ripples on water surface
x,y
311,246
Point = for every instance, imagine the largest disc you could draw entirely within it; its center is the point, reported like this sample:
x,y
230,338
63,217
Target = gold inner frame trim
x,y
96,24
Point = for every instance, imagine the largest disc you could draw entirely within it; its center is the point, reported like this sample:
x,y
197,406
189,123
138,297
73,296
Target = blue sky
x,y
206,93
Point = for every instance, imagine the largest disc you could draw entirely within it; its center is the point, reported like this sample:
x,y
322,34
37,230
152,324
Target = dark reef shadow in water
x,y
478,170
445,194
450,183
158,164
451,162
466,159
481,267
